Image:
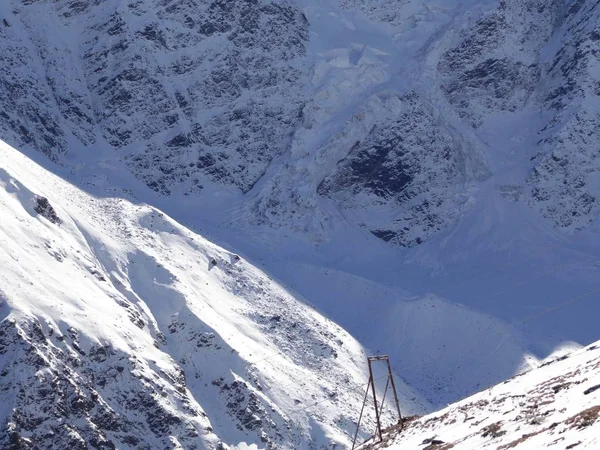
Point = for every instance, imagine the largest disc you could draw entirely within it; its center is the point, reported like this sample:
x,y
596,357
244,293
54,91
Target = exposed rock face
x,y
385,11
237,68
400,174
198,96
386,118
189,92
28,114
495,67
45,209
564,185
531,57
103,397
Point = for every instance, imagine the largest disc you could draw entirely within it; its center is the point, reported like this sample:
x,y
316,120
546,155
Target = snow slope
x,y
554,406
122,328
422,172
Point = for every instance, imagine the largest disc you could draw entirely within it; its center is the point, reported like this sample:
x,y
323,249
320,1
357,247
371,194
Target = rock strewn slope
x,y
122,328
554,406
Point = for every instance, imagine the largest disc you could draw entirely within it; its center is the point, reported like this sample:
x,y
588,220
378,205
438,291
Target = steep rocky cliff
x,y
198,98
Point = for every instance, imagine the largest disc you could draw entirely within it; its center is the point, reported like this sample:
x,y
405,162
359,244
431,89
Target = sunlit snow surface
x,y
554,406
144,322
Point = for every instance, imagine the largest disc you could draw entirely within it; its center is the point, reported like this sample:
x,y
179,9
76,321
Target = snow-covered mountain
x,y
554,406
424,173
123,329
394,111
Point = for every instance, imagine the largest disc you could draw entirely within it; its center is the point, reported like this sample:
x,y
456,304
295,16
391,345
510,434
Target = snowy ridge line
x,y
514,324
143,229
557,402
388,434
171,269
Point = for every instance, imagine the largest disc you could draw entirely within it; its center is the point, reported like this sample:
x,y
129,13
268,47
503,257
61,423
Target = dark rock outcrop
x,y
45,209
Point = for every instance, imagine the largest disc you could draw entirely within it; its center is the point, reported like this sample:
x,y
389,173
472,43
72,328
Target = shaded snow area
x,y
556,406
122,328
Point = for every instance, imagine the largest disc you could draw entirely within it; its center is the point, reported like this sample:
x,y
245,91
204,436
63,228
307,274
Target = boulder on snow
x,y
45,209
